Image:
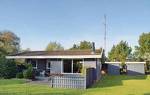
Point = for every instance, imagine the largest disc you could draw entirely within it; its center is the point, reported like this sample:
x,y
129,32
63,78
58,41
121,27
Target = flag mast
x,y
105,32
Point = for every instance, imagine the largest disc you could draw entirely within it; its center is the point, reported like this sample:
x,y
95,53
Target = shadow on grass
x,y
147,94
116,80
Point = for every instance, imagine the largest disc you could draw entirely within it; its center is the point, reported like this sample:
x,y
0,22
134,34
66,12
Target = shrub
x,y
28,74
21,67
8,68
2,62
19,75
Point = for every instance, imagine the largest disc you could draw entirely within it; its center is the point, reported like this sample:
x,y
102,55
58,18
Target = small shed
x,y
135,68
113,68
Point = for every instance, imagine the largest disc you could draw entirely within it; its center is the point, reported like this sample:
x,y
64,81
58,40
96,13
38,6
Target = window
x,y
72,66
48,65
67,66
77,66
34,64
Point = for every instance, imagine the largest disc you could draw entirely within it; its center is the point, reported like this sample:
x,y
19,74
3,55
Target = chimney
x,y
93,48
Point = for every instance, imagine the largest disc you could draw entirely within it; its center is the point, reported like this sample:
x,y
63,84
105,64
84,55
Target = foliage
x,y
74,47
136,56
82,46
20,61
8,68
77,67
28,73
19,75
112,55
143,50
26,50
2,63
85,45
25,71
2,52
21,67
123,68
83,71
120,52
9,42
54,46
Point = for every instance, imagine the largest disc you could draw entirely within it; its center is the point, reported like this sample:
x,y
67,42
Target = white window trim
x,y
62,68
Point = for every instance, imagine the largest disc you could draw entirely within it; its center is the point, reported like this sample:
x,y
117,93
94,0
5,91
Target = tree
x,y
9,42
8,68
2,52
120,52
54,46
74,47
144,46
111,54
82,46
136,56
26,50
85,45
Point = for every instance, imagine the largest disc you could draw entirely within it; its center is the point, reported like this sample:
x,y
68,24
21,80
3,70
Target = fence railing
x,y
70,81
81,81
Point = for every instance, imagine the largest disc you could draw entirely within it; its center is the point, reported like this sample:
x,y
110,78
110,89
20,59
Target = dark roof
x,y
55,53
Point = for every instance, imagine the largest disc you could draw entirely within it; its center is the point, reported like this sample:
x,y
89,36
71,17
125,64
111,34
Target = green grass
x,y
108,85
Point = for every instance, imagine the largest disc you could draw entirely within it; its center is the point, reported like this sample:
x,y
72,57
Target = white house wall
x,y
55,66
90,64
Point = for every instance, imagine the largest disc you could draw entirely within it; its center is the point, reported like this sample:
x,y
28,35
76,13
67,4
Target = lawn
x,y
108,85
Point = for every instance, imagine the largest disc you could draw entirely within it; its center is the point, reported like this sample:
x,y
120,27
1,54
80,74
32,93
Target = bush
x,y
123,68
19,75
8,68
21,67
2,62
28,74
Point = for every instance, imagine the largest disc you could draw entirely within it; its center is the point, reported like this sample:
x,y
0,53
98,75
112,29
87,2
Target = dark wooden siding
x,y
114,69
41,64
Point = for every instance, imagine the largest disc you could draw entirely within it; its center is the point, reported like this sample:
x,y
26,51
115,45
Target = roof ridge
x,y
59,50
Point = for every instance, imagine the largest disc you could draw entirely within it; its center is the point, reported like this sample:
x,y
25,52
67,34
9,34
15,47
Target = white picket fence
x,y
68,82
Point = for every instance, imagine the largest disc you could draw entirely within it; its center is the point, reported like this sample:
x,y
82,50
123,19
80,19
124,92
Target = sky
x,y
37,22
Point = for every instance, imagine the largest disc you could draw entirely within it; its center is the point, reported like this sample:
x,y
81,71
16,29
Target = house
x,y
67,68
130,68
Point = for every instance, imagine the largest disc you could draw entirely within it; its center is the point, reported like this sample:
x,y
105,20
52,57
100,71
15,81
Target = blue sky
x,y
37,22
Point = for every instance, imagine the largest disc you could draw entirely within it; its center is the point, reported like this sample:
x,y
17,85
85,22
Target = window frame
x,y
80,61
36,61
47,67
62,66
